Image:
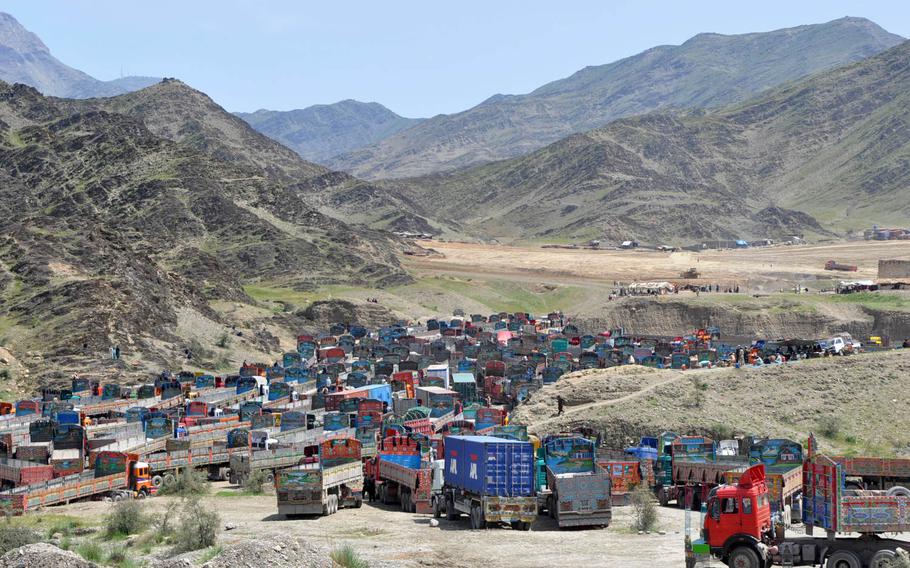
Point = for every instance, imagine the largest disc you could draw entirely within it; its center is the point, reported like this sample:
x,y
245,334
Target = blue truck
x,y
578,491
491,480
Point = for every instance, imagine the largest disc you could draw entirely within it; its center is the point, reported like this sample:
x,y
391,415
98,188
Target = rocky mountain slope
x,y
115,234
828,153
707,71
320,132
25,59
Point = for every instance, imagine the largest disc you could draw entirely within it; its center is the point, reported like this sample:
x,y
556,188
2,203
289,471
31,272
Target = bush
x,y
198,527
644,511
188,482
13,537
126,517
255,482
346,557
90,551
829,426
63,528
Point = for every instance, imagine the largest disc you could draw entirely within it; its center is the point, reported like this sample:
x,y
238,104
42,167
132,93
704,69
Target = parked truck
x,y
739,531
117,475
577,493
834,265
491,480
322,487
400,474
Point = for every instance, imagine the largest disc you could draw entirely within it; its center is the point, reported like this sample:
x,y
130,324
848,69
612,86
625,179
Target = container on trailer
x,y
38,453
108,463
490,466
20,472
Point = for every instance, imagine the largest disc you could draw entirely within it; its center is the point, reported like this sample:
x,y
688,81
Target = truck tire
x,y
524,526
551,507
477,520
169,478
899,491
437,509
451,513
883,559
663,497
743,557
843,559
358,502
157,480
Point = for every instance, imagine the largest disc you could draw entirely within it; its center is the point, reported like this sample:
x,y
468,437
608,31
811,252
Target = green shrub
x,y
644,511
90,551
829,426
346,557
254,484
186,483
12,537
209,554
198,527
126,517
63,528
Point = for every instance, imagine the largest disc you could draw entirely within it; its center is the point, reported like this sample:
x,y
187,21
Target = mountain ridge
x,y
734,68
25,59
319,132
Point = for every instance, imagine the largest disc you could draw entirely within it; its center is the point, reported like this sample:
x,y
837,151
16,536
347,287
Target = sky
x,y
419,58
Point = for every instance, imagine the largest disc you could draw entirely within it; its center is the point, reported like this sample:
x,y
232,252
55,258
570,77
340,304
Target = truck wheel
x,y
743,557
157,480
169,478
358,502
551,507
477,520
883,559
843,559
437,510
899,491
663,497
451,513
270,478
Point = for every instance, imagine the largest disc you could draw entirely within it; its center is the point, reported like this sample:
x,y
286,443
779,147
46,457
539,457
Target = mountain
x,y
709,70
120,226
320,132
25,59
828,153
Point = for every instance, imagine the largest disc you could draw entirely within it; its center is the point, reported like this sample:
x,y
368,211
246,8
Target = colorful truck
x,y
739,531
491,480
117,475
320,488
577,492
400,474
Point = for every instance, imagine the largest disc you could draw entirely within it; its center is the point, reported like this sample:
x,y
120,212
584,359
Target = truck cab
x,y
141,480
738,524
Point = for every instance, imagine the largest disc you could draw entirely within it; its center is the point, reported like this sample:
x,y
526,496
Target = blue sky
x,y
419,58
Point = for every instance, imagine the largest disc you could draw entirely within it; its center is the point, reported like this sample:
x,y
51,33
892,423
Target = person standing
x,y
560,405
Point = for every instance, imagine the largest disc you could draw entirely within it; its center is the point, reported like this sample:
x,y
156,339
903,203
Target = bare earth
x,y
757,265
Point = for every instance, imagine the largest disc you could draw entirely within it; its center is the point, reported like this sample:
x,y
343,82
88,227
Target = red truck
x,y
738,528
834,265
398,473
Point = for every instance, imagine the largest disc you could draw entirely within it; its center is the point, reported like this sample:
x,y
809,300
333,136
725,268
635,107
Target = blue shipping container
x,y
490,466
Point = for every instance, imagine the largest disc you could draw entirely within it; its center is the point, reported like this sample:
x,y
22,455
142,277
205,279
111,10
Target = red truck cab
x,y
738,524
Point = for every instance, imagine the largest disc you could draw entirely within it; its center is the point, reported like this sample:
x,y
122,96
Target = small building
x,y
629,244
851,286
740,243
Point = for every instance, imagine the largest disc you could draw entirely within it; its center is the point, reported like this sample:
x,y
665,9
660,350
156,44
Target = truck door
x,y
723,519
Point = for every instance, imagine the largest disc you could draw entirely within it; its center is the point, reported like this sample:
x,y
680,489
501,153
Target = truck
x,y
834,265
739,531
116,475
491,480
578,491
399,473
20,472
320,488
783,460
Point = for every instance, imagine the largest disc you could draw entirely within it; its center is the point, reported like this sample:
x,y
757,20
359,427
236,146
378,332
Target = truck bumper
x,y
509,509
300,509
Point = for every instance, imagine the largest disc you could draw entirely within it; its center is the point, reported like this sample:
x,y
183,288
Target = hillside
x,y
829,153
817,395
25,59
115,235
320,132
707,71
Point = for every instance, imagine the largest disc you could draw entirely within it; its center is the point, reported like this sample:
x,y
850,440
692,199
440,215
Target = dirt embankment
x,y
758,318
854,404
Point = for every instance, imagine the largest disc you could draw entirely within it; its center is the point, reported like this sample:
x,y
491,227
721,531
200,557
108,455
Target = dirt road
x,y
381,533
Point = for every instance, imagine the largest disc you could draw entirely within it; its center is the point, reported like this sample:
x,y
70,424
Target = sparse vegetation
x,y
198,527
90,551
345,556
63,527
186,483
224,341
126,517
12,536
209,554
255,482
644,509
829,426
